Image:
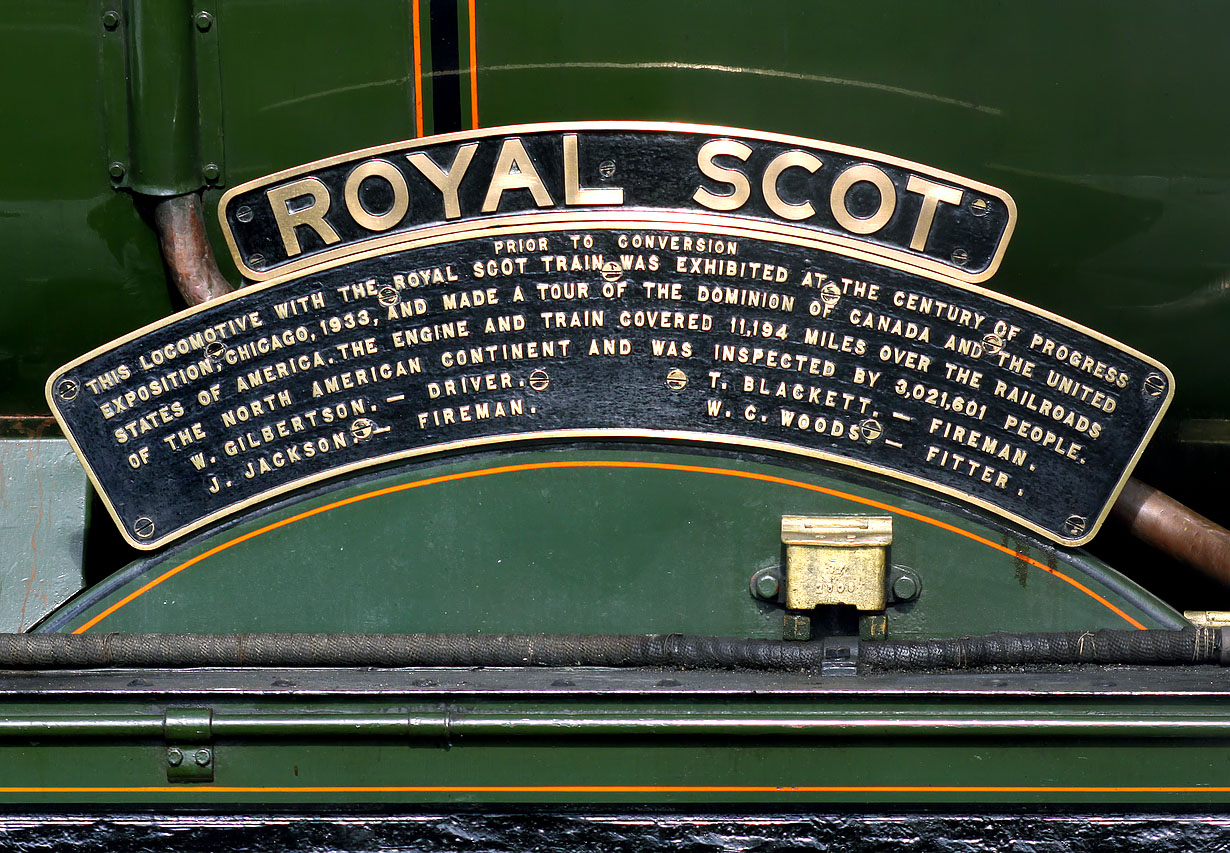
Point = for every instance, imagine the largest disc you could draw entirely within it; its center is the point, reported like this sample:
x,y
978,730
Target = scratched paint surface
x,y
42,524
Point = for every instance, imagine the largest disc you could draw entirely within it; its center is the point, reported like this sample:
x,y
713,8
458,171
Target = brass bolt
x,y
1155,385
796,626
362,429
539,380
1075,525
830,294
612,271
67,389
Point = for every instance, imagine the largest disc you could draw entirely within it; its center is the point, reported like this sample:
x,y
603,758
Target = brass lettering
x,y
574,193
386,171
932,194
741,189
841,190
790,159
446,182
514,170
312,216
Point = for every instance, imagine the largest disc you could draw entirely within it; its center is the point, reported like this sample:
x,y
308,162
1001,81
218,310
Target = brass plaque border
x,y
875,251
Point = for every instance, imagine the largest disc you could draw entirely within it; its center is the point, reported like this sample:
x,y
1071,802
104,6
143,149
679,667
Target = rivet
x,y
143,527
204,21
116,170
1155,385
539,380
830,294
905,588
111,19
211,172
202,757
67,389
1075,525
175,757
766,584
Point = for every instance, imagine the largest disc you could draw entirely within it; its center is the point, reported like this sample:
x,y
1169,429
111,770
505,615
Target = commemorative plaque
x,y
639,324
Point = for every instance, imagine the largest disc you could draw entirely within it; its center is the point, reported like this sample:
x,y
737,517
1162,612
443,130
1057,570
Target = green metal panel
x,y
587,542
1112,154
80,265
1111,151
896,743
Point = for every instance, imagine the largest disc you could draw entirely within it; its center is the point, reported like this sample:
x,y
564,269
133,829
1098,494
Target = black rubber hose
x,y
1198,645
87,651
169,651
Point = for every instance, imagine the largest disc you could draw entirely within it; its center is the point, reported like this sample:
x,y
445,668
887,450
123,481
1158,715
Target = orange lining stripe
x,y
473,69
418,71
624,789
658,466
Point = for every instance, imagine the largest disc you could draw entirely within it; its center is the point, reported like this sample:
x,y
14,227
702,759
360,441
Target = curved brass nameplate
x,y
786,185
631,325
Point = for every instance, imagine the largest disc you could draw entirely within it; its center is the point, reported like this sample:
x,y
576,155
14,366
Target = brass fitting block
x,y
836,560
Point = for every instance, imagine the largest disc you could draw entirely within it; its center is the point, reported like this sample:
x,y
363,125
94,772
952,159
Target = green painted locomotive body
x,y
1100,124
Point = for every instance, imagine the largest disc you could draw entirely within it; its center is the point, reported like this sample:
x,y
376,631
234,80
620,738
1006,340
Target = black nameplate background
x,y
842,359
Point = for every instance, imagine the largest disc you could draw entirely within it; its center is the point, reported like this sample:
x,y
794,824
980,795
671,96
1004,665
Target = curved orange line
x,y
660,466
621,789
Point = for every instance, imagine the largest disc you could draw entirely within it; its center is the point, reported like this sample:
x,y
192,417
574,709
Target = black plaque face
x,y
630,331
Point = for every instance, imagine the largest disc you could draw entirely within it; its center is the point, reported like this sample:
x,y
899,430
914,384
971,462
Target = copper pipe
x,y
186,251
1174,529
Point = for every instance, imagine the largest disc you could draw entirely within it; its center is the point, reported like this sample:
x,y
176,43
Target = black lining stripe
x,y
446,68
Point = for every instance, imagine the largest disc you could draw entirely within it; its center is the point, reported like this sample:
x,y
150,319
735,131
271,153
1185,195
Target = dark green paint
x,y
163,115
1097,121
338,742
582,550
1112,153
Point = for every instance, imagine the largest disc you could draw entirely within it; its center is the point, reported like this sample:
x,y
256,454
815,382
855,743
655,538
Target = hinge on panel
x,y
162,94
190,753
